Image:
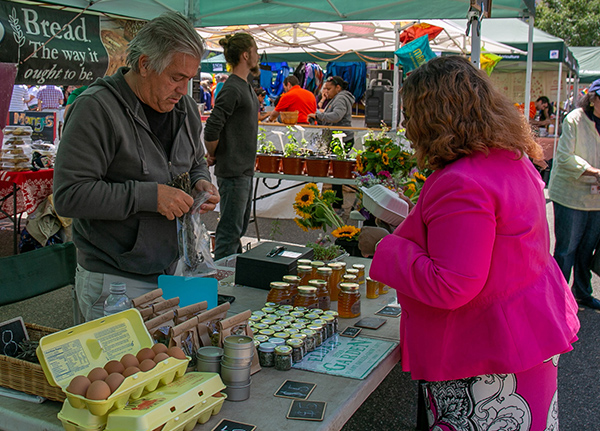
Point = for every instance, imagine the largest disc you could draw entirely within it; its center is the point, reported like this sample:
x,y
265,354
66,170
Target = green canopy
x,y
214,64
588,58
206,13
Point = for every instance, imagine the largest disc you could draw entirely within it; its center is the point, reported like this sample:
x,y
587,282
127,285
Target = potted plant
x,y
317,164
343,165
267,160
293,162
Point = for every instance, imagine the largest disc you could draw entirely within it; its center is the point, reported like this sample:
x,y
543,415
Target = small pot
x,y
268,163
292,165
238,393
238,345
235,375
208,367
343,168
317,167
237,361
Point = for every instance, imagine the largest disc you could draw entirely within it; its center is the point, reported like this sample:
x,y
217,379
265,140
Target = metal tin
x,y
238,393
234,375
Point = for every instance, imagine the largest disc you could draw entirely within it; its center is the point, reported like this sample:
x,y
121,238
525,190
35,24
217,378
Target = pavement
x,y
392,406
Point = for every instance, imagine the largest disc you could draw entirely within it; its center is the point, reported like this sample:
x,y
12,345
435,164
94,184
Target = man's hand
x,y
173,202
312,115
368,239
206,186
211,160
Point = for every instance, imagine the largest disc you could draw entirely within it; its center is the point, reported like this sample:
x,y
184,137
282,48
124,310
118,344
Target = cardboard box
x,y
255,269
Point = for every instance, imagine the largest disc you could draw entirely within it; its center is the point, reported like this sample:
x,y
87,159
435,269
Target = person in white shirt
x,y
33,103
20,99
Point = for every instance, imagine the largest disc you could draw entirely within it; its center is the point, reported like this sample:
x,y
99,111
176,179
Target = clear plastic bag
x,y
195,259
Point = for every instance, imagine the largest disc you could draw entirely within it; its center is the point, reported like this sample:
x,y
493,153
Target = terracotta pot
x,y
268,163
343,168
317,167
292,165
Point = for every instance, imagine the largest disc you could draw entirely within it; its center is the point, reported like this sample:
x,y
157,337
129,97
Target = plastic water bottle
x,y
117,301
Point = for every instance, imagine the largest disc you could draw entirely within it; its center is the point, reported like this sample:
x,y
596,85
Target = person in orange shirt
x,y
295,99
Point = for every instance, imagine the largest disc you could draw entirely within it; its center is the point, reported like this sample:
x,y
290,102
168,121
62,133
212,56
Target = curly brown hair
x,y
452,110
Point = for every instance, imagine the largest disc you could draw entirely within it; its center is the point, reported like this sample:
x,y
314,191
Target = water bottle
x,y
117,301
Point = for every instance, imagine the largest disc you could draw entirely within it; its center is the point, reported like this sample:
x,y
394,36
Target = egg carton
x,y
76,351
385,204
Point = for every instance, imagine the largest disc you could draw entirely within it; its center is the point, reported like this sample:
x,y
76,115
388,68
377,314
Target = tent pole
x,y
529,70
557,109
475,41
395,98
575,92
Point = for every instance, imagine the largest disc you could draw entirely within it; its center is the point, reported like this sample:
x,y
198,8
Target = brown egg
x,y
98,390
147,365
176,353
130,371
79,385
145,353
161,357
129,360
97,374
159,348
114,367
114,380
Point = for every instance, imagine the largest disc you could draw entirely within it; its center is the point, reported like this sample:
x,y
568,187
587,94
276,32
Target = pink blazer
x,y
479,290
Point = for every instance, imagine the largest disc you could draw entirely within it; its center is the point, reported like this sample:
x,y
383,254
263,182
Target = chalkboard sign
x,y
295,390
390,311
228,425
43,124
370,323
307,410
12,332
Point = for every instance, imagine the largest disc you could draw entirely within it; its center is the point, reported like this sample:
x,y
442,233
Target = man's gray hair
x,y
161,38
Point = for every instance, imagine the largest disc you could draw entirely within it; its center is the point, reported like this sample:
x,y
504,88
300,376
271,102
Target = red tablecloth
x,y
33,188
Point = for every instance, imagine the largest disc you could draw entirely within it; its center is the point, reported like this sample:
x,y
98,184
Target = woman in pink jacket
x,y
485,309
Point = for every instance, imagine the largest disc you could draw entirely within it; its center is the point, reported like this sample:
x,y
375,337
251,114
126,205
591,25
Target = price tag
x,y
595,189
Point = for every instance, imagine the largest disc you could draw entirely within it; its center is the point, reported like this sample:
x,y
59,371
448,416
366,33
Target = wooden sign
x,y
295,390
12,332
229,425
307,410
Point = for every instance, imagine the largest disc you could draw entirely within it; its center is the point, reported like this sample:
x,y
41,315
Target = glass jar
x,y
287,308
330,321
281,334
266,354
311,316
383,289
310,339
273,305
349,301
280,294
277,341
283,358
298,326
294,282
305,274
304,262
297,349
268,310
323,324
372,288
361,273
261,338
291,331
316,264
335,316
277,328
268,332
268,321
336,275
307,297
303,338
254,318
318,329
283,323
260,326
322,293
259,313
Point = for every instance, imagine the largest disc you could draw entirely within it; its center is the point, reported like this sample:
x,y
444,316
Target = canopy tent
x,y
214,64
346,41
208,13
588,58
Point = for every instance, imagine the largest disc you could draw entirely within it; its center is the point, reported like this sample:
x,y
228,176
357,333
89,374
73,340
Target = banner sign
x,y
73,54
347,357
43,124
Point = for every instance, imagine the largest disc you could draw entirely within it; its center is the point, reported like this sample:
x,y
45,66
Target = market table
x,y
267,412
22,192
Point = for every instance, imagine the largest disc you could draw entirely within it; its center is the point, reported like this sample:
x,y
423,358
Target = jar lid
x,y
358,266
271,316
237,340
301,309
342,263
294,342
284,323
277,341
268,321
271,304
267,332
349,287
291,331
304,261
268,310
324,270
261,325
311,316
316,283
291,278
316,328
369,278
303,321
305,268
277,328
317,311
332,313
309,332
298,326
266,347
335,265
282,313
258,313
321,322
307,290
286,307
288,318
281,285
256,344
283,350
349,277
328,318
352,271
283,335
299,336
261,338
255,318
317,264
209,352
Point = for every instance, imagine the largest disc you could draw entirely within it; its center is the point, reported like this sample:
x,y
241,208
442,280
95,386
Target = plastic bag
x,y
195,259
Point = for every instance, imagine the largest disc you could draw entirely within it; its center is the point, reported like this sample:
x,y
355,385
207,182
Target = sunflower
x,y
346,231
329,195
300,213
300,224
311,187
305,198
359,165
420,176
385,158
378,151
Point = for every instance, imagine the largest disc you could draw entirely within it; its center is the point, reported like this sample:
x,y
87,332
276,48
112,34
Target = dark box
x,y
255,269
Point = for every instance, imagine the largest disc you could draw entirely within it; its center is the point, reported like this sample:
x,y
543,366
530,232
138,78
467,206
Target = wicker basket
x,y
289,117
26,376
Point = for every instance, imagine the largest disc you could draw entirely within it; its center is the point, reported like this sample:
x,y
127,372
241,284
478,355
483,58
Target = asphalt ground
x,y
392,406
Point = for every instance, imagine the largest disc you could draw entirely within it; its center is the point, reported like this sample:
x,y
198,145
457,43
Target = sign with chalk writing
x,y
42,123
307,410
51,46
229,425
296,390
347,357
12,332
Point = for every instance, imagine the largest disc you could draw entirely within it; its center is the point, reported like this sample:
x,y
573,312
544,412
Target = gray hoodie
x,y
338,112
106,177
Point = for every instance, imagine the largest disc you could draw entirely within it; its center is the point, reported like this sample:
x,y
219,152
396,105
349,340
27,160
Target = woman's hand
x,y
368,239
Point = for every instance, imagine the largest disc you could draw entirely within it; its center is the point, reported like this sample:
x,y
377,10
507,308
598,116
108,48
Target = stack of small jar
x,y
284,334
317,285
238,352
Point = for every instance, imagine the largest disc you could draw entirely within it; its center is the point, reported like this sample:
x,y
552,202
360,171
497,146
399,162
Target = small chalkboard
x,y
390,311
229,425
12,332
350,331
295,390
307,410
370,323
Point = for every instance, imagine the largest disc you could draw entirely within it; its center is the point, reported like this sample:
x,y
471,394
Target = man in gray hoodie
x,y
124,139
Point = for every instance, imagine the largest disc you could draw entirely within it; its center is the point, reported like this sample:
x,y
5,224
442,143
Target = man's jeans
x,y
577,234
236,204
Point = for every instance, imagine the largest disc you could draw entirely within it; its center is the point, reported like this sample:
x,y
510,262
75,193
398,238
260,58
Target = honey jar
x,y
349,300
337,270
372,288
305,262
305,274
316,264
307,297
322,293
294,282
361,273
280,293
383,289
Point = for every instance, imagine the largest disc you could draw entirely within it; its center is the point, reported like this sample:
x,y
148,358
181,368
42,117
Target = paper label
x,y
291,254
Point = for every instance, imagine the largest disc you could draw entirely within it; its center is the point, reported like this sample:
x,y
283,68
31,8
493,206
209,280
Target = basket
x,y
289,117
26,376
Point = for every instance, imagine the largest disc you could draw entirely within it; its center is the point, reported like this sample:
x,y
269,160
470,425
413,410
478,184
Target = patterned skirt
x,y
525,401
